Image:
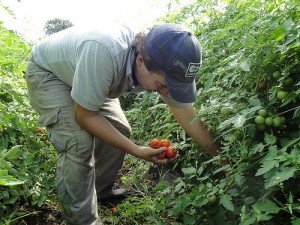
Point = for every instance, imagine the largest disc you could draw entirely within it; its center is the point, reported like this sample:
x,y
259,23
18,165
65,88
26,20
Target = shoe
x,y
116,196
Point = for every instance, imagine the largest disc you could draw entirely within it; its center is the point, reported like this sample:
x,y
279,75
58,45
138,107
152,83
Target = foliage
x,y
55,25
26,178
251,52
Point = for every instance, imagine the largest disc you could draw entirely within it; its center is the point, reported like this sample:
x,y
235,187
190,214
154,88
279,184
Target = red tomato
x,y
155,143
165,143
113,210
43,138
39,131
171,152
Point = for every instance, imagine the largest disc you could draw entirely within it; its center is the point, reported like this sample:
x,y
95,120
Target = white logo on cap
x,y
193,69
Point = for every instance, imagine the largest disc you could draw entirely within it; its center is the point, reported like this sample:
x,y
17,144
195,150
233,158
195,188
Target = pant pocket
x,y
60,134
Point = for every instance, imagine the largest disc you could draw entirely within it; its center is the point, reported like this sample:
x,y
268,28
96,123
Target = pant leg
x,y
108,159
75,167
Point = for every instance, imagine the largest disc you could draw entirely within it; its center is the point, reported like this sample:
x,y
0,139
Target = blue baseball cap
x,y
178,52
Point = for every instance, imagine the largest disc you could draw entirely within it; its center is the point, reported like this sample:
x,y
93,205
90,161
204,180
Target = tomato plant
x,y
248,95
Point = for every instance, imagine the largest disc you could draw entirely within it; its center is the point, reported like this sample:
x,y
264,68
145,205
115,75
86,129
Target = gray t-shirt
x,y
96,63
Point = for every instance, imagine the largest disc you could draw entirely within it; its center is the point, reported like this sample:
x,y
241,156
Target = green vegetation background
x,y
251,68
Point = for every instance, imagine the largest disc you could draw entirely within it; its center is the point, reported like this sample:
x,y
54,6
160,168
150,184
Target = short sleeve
x,y
94,73
172,102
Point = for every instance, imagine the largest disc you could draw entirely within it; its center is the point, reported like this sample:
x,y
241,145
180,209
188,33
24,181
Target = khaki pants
x,y
86,166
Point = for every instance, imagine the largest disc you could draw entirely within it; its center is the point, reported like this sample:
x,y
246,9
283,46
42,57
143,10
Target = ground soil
x,y
51,215
42,216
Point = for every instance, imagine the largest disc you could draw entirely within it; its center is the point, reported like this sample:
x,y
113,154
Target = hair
x,y
139,44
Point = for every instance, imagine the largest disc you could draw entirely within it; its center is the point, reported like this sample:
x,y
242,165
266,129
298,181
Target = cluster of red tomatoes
x,y
170,152
41,131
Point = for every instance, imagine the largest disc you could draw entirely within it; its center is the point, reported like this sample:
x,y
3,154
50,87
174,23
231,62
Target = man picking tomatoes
x,y
74,80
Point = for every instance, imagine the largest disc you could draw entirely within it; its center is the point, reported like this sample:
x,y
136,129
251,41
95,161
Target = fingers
x,y
158,155
156,159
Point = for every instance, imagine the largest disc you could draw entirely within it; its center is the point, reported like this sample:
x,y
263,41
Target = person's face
x,y
150,81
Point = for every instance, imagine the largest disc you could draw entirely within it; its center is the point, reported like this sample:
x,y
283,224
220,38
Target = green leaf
x,y
13,153
288,24
241,119
225,200
188,219
189,170
8,180
267,166
296,113
221,169
245,66
267,206
270,139
258,148
284,174
208,83
254,101
296,221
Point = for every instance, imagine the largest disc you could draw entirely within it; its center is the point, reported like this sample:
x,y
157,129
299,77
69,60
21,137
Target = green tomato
x,y
259,120
262,112
213,199
288,81
282,95
269,121
277,121
221,191
276,75
225,111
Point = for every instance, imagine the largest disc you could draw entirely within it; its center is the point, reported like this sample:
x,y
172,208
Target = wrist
x,y
136,150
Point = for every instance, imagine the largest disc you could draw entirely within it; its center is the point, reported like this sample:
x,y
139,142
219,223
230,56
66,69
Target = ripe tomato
x,y
39,131
155,143
113,210
165,143
171,152
43,138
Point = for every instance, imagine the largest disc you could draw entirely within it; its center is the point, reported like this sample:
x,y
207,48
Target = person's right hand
x,y
150,154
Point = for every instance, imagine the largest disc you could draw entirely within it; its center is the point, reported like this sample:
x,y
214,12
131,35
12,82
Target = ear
x,y
139,60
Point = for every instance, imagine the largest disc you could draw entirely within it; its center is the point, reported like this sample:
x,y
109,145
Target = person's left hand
x,y
151,154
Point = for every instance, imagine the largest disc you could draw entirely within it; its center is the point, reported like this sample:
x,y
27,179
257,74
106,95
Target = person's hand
x,y
151,154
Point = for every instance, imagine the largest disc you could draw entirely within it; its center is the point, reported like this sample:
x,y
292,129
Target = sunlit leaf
x,y
240,120
245,66
226,201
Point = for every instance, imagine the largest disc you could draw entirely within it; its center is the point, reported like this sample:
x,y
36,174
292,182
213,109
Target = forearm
x,y
202,136
200,133
99,127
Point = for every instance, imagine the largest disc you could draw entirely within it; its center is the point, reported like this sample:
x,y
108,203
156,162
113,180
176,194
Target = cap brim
x,y
180,91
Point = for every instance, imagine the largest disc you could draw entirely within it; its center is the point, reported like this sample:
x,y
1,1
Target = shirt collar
x,y
129,67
